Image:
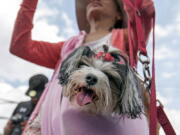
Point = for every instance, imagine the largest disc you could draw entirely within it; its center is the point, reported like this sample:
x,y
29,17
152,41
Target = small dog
x,y
101,83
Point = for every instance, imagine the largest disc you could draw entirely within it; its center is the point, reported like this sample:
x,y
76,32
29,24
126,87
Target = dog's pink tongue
x,y
83,98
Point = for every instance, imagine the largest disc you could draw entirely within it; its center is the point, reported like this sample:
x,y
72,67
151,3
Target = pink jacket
x,y
58,117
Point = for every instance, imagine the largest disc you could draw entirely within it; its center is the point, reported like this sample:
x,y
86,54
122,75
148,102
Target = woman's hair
x,y
119,23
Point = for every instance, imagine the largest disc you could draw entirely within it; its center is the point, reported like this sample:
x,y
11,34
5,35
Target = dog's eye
x,y
114,80
119,59
82,64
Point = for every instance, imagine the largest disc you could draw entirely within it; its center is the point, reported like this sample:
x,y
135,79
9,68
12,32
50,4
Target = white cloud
x,y
11,93
166,30
164,52
59,2
68,24
160,31
14,94
177,21
42,29
44,11
177,18
45,31
8,12
168,75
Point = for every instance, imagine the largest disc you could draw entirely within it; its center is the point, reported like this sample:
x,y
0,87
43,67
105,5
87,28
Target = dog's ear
x,y
131,102
87,52
71,63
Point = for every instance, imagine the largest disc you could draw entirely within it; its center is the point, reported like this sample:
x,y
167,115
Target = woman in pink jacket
x,y
101,21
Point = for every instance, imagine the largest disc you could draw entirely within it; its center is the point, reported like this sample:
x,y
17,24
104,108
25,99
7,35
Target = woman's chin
x,y
94,14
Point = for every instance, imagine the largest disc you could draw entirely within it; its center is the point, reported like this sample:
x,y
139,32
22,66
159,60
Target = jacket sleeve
x,y
38,52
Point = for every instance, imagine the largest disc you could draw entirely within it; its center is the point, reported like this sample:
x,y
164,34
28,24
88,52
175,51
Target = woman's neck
x,y
98,29
100,25
95,35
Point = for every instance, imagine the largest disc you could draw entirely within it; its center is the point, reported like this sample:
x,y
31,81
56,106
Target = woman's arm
x,y
41,53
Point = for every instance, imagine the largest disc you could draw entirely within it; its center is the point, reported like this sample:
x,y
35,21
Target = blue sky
x,y
55,20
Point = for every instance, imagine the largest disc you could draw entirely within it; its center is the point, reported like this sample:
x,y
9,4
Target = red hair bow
x,y
104,56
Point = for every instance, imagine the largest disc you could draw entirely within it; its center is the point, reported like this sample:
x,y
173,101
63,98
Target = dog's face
x,y
100,83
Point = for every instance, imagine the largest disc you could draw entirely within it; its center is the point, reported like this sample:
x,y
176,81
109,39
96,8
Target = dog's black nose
x,y
91,79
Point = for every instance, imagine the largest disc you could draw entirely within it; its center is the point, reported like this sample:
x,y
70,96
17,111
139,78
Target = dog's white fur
x,y
104,103
111,97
